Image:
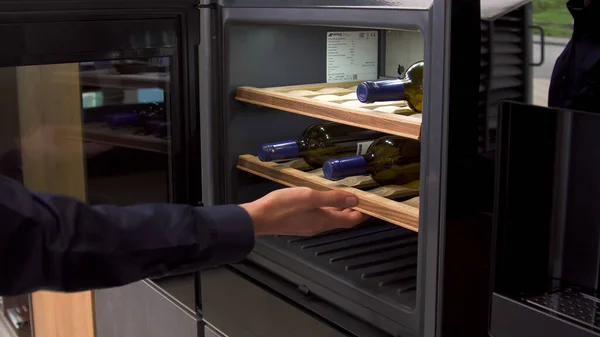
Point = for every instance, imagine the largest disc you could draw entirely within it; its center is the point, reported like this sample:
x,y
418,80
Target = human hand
x,y
303,211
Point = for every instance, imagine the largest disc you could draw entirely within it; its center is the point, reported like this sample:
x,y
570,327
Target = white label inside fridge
x,y
351,56
362,147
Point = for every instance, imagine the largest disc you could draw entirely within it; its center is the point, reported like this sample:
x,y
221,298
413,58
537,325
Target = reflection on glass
x,y
557,23
127,135
97,131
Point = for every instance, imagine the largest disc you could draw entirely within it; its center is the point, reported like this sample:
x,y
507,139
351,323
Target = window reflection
x,y
556,21
96,131
127,130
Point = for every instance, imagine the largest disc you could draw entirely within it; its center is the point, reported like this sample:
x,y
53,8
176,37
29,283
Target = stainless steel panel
x,y
239,308
209,332
516,319
139,310
397,4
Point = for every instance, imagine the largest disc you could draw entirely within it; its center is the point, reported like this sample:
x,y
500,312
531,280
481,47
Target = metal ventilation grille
x,y
379,260
503,61
384,258
571,304
484,83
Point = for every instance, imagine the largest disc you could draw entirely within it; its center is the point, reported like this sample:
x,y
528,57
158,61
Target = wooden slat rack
x,y
106,79
337,102
124,138
376,201
112,79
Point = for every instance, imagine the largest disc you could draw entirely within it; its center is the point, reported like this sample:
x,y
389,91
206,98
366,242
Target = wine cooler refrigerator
x,y
419,266
170,100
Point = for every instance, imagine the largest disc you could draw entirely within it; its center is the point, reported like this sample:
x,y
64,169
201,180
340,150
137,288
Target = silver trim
x,y
182,307
212,327
205,76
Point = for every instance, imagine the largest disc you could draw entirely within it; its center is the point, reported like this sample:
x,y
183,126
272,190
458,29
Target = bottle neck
x,y
279,151
302,145
381,91
335,169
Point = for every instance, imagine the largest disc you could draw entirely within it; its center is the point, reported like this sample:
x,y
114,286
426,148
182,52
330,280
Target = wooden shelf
x,y
374,201
123,137
112,79
125,81
337,102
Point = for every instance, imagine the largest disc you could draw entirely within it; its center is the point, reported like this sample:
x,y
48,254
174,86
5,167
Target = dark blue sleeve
x,y
54,242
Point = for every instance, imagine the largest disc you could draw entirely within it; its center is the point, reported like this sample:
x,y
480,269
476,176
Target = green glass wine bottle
x,y
321,142
389,160
409,89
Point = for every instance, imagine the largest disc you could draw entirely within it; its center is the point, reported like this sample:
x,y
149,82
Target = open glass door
x,y
92,131
105,117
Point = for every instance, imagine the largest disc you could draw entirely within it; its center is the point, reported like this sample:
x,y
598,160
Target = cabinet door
x,y
48,99
209,332
98,105
140,310
240,308
96,131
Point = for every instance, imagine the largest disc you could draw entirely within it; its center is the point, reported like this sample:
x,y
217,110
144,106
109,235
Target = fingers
x,y
326,219
333,219
304,198
303,211
345,210
340,199
336,208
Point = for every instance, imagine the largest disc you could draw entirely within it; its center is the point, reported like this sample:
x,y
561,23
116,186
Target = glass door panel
x,y
126,131
96,131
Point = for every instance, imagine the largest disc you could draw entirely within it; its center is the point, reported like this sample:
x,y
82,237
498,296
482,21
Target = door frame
x,y
34,29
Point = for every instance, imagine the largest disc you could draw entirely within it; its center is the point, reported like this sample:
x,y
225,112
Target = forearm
x,y
55,242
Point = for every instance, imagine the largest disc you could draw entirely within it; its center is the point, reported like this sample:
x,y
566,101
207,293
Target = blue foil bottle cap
x,y
278,151
335,169
161,129
380,91
363,91
122,119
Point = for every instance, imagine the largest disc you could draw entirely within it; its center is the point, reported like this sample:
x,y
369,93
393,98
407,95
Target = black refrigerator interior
x,y
274,70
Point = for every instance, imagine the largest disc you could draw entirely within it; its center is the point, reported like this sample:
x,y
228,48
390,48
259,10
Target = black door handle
x,y
542,46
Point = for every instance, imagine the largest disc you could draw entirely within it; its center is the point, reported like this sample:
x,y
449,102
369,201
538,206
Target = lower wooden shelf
x,y
376,201
111,79
123,137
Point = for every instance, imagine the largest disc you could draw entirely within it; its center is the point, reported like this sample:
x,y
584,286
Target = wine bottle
x,y
319,143
122,119
389,160
138,117
409,89
162,129
157,128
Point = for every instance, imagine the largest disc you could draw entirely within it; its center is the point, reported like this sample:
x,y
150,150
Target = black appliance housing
x,y
545,281
506,62
291,281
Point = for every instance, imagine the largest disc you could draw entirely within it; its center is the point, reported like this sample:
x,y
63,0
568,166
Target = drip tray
x,y
571,304
373,265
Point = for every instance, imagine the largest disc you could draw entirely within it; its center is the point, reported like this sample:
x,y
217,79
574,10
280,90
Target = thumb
x,y
336,198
